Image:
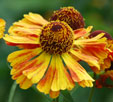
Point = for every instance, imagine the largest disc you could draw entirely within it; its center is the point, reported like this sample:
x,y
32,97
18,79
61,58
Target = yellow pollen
x,y
56,37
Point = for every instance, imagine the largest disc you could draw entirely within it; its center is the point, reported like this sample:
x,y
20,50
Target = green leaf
x,y
42,97
91,74
67,96
12,92
75,88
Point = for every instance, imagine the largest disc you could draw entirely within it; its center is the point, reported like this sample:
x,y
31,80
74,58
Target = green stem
x,y
12,91
91,94
41,94
92,90
56,99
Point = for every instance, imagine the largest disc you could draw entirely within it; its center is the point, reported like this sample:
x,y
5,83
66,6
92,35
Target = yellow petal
x,y
22,55
45,84
37,71
92,41
86,83
23,60
24,31
24,82
91,60
56,74
26,24
21,40
61,76
77,72
97,51
2,27
20,60
36,18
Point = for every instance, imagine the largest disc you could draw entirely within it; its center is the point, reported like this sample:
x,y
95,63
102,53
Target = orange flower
x,y
102,80
49,54
75,20
2,27
107,66
109,51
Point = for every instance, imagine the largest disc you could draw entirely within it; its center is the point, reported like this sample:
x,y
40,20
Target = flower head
x,y
49,54
56,37
107,66
102,80
75,20
95,33
69,15
2,27
109,51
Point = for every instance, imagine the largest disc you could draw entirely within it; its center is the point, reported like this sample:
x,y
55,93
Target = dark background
x,y
98,13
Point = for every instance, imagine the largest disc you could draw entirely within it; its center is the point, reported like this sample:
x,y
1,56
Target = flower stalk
x,y
91,94
12,92
56,99
92,90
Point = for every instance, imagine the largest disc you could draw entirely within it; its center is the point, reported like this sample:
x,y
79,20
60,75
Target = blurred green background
x,y
98,13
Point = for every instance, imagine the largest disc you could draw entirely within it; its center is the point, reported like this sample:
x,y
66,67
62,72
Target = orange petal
x,y
45,84
95,46
105,65
96,51
109,74
81,32
77,72
37,71
21,60
54,94
91,60
56,75
25,46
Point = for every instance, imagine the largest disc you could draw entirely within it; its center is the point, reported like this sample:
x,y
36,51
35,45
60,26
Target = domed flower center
x,y
69,15
95,33
56,37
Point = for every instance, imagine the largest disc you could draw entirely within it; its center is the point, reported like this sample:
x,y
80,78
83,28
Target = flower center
x,y
56,37
95,33
69,15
